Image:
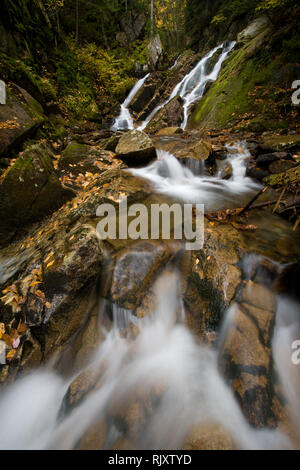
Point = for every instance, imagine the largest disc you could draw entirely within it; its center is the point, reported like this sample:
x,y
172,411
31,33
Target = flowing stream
x,y
171,177
165,359
164,370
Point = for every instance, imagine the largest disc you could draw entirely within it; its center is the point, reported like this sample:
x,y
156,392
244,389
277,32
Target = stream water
x,y
166,359
165,368
171,177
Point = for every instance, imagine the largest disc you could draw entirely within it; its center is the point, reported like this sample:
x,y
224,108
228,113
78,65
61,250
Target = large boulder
x,y
171,115
135,147
183,146
155,49
257,26
29,190
81,158
55,269
19,118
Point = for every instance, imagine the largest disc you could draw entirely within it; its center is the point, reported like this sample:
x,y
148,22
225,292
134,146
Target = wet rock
x,y
212,278
265,159
135,147
82,386
144,95
136,270
255,173
95,437
30,190
123,444
207,86
209,437
246,355
171,115
200,150
159,85
111,143
225,170
19,118
69,257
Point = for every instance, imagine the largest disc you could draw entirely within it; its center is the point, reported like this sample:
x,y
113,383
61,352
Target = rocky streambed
x,y
119,331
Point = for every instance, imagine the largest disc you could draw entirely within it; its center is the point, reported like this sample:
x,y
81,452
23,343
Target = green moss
x,y
73,154
246,93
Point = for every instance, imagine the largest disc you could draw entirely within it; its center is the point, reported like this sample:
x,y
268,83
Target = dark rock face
x,y
19,118
30,190
159,86
267,158
143,97
133,25
170,115
255,173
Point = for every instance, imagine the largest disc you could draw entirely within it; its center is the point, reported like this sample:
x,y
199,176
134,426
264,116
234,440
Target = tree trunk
x,y
151,18
77,23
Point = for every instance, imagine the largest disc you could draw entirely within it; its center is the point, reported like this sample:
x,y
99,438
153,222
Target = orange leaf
x,y
11,354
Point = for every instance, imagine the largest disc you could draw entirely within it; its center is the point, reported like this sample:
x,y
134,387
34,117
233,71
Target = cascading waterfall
x,y
192,87
165,357
173,178
124,120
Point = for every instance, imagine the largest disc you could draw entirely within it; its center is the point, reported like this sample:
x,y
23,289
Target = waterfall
x,y
124,120
189,183
165,358
192,87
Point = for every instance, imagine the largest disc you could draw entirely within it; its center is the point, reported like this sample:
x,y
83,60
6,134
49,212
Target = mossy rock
x,y
73,154
245,93
19,118
82,158
29,191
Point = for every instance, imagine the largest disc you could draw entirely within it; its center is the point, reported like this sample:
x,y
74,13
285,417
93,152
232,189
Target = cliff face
x,y
254,88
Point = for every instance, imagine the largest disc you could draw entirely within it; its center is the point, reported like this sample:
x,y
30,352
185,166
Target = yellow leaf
x,y
11,354
50,264
35,283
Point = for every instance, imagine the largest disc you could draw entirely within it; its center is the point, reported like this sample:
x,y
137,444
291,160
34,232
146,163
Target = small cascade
x,y
124,120
190,184
193,85
165,359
